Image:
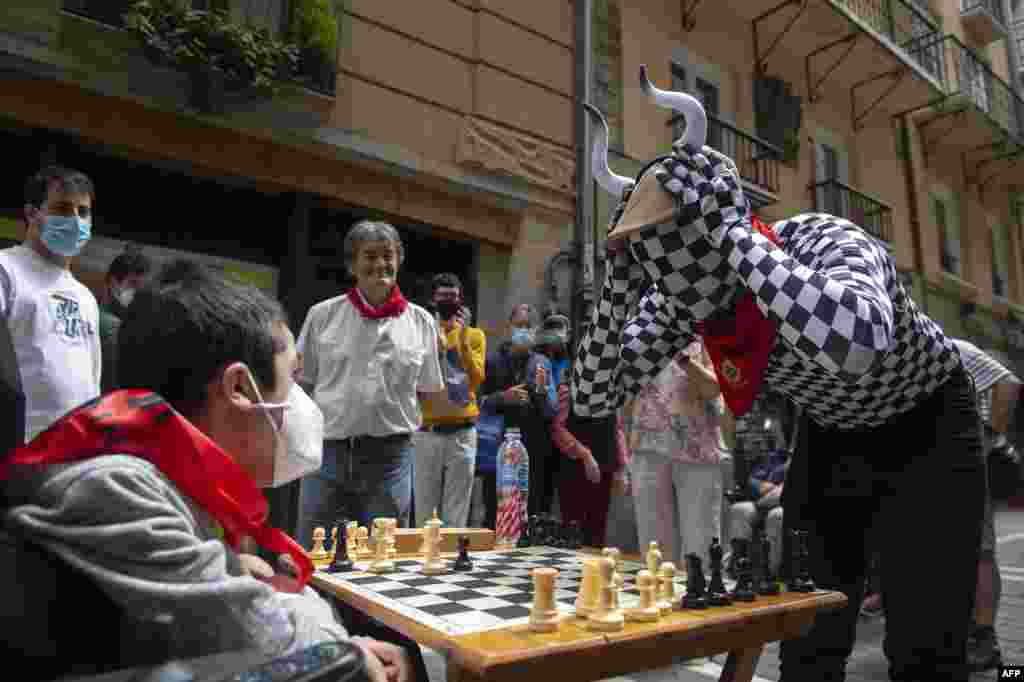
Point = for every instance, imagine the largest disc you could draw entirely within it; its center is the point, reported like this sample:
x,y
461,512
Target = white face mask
x,y
298,426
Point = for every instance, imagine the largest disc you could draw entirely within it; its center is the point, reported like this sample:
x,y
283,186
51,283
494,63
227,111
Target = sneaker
x,y
871,607
983,652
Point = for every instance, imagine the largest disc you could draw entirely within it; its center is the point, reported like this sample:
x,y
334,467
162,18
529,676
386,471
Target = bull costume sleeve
x,y
849,345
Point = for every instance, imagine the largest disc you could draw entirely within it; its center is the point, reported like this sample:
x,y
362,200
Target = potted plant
x,y
314,28
219,55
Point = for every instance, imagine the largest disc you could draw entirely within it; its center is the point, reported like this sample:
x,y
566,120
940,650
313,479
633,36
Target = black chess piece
x,y
769,583
801,580
548,532
564,536
696,586
575,535
533,529
754,554
718,595
744,579
525,534
463,562
342,561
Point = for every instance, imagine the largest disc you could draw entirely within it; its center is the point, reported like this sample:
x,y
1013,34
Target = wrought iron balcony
x,y
758,161
832,196
969,80
984,20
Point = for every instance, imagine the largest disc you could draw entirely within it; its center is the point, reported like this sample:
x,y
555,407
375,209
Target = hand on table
x,y
384,662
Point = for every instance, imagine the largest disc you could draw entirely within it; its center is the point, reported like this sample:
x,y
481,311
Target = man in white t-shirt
x,y
366,355
52,317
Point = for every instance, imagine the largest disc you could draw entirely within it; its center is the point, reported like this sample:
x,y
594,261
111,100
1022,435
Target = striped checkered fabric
x,y
986,372
853,349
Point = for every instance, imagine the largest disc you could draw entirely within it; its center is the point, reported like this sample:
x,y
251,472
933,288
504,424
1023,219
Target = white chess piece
x,y
544,616
608,616
433,563
381,563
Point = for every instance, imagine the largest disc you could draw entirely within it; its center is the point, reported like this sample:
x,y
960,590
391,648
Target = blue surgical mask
x,y
65,235
521,337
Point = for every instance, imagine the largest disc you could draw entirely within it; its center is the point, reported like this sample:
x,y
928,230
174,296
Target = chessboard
x,y
496,593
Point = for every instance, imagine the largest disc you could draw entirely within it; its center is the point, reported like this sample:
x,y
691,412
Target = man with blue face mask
x,y
53,318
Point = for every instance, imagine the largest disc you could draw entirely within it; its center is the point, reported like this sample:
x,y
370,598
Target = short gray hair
x,y
371,231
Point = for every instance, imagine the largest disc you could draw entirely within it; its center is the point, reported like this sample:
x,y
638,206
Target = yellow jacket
x,y
472,347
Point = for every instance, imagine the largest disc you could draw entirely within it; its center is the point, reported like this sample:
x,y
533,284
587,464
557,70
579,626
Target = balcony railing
x,y
965,74
901,21
832,196
993,7
757,161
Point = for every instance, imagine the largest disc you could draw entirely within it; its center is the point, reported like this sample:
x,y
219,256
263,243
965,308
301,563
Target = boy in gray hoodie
x,y
140,508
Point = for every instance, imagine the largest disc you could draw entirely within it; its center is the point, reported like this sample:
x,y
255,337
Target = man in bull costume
x,y
812,308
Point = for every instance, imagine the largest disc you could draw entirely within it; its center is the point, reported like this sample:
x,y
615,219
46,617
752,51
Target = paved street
x,y
868,664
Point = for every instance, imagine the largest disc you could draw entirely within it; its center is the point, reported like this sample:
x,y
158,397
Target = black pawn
x,y
744,572
342,562
575,535
525,535
801,581
696,587
769,584
718,595
463,562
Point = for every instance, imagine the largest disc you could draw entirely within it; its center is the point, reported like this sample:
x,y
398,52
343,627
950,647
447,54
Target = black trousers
x,y
913,490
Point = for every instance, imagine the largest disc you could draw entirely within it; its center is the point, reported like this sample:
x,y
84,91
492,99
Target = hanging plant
x,y
314,29
211,47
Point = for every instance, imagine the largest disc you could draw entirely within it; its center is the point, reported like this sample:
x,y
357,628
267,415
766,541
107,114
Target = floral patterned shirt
x,y
668,417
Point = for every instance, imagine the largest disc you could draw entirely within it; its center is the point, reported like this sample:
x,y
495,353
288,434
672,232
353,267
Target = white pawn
x,y
653,558
648,611
667,588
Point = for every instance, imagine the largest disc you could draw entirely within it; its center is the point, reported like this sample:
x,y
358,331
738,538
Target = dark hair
x,y
38,186
445,279
186,326
371,231
129,263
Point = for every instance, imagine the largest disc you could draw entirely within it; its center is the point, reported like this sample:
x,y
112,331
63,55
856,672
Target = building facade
x,y
901,115
450,118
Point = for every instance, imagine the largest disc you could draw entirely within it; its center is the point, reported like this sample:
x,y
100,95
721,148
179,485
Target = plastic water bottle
x,y
513,481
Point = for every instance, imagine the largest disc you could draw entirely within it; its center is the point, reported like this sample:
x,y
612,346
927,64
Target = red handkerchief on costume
x,y
739,347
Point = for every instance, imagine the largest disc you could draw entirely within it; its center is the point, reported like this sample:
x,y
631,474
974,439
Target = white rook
x,y
544,616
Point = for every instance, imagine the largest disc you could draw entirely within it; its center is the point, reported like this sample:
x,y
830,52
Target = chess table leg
x,y
740,665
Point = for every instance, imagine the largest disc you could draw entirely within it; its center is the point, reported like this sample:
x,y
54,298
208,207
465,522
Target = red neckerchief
x,y
140,423
393,307
739,347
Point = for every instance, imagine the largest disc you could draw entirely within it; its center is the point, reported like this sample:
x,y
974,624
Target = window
x,y
1000,259
949,235
832,164
270,14
707,93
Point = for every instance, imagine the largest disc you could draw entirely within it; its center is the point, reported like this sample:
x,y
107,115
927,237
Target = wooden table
x,y
575,654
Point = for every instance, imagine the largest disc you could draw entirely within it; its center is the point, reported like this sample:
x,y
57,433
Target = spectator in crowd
x,y
764,507
144,518
447,441
53,318
998,390
366,355
511,389
585,485
674,435
553,340
125,276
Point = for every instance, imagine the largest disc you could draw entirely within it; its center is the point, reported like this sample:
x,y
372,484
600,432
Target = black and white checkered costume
x,y
852,349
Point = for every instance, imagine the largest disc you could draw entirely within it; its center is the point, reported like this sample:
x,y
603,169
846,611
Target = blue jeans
x,y
359,480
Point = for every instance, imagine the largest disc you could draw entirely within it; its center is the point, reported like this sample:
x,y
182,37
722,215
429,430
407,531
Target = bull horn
x,y
696,133
609,181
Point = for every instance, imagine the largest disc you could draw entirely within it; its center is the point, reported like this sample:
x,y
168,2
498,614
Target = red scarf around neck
x,y
739,347
140,423
393,307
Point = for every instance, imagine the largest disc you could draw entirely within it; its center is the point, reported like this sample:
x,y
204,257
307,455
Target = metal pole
x,y
583,272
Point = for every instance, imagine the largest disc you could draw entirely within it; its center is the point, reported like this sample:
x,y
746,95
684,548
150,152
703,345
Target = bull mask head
x,y
680,261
